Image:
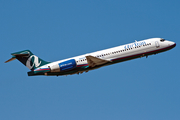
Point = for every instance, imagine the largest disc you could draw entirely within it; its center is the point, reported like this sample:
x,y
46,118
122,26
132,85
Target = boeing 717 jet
x,y
90,61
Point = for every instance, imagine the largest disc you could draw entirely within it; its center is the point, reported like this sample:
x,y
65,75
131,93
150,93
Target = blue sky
x,y
133,90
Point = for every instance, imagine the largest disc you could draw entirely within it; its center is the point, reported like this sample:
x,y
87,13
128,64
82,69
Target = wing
x,y
94,61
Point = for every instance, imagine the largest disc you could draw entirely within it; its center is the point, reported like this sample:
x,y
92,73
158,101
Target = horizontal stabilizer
x,y
13,58
18,54
94,61
21,55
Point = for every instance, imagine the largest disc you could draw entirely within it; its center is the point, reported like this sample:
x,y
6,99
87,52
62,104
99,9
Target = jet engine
x,y
64,66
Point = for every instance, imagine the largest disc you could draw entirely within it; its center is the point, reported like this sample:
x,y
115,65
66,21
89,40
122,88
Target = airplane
x,y
91,61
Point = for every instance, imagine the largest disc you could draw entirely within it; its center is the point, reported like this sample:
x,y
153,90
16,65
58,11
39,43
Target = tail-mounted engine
x,y
64,66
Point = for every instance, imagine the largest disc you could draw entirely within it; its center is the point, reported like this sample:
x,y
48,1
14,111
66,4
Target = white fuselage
x,y
121,52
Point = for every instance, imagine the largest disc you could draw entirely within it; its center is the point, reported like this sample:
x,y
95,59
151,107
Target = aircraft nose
x,y
173,44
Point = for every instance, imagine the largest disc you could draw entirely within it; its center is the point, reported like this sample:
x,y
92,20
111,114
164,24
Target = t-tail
x,y
27,58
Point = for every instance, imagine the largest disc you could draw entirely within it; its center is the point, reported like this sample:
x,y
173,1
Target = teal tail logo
x,y
33,62
28,59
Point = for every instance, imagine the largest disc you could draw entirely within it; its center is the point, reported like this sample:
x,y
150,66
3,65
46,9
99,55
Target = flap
x,y
94,61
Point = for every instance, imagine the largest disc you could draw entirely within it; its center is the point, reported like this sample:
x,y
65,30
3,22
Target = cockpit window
x,y
162,40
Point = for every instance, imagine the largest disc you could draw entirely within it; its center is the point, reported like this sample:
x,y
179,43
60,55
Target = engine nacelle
x,y
64,66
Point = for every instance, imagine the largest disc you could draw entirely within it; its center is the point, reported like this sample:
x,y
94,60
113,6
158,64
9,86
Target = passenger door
x,y
157,44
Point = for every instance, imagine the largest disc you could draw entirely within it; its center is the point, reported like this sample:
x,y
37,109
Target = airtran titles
x,y
134,44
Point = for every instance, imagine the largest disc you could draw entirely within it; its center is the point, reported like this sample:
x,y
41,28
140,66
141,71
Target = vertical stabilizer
x,y
28,59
